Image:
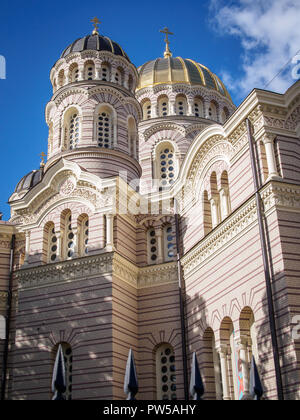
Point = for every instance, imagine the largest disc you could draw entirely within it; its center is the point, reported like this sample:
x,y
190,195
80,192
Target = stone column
x,y
206,108
224,371
224,198
109,232
214,203
243,351
126,80
80,73
59,245
113,74
76,244
190,106
268,141
159,238
27,246
172,107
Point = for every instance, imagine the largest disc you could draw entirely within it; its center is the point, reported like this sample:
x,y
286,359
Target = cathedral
x,y
164,220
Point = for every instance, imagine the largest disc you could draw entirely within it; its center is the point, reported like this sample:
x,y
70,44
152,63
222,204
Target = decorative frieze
x,y
158,275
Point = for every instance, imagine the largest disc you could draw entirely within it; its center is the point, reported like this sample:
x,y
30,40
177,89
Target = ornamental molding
x,y
80,269
275,196
163,126
61,96
158,275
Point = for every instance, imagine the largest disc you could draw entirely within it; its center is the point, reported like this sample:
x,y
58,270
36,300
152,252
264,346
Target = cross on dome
x,y
167,32
96,22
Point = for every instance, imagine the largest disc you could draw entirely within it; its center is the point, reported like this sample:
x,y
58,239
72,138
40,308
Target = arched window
x,y
169,243
214,201
89,70
51,242
74,73
198,107
181,105
119,76
212,367
71,129
212,111
105,72
2,328
152,246
105,127
163,106
68,359
224,196
224,115
132,137
166,165
68,235
207,223
83,232
166,373
61,78
130,83
147,110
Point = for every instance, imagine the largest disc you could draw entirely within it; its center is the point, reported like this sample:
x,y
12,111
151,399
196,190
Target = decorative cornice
x,y
275,195
158,275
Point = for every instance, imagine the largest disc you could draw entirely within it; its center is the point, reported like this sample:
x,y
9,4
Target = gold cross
x,y
96,23
167,32
42,155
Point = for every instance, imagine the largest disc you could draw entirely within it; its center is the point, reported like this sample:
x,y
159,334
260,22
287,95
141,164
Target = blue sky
x,y
219,34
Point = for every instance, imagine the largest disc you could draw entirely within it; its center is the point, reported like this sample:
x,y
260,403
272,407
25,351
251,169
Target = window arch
x,y
83,233
163,106
207,222
152,245
2,327
147,109
132,137
224,196
212,111
61,78
106,126
165,373
198,107
71,128
68,359
74,73
51,242
214,201
169,243
50,138
224,115
166,164
181,105
89,70
105,72
68,243
212,367
130,83
119,76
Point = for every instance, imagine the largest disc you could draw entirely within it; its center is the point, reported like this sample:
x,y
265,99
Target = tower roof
x,y
95,42
171,70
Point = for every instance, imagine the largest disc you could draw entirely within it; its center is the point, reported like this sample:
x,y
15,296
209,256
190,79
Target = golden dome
x,y
171,70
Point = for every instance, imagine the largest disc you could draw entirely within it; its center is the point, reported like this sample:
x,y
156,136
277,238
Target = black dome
x,y
29,181
95,42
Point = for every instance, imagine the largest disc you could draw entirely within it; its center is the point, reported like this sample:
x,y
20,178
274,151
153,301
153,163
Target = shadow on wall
x,y
80,317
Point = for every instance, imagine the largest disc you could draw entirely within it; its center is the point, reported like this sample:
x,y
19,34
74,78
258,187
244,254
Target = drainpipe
x,y
260,216
181,289
8,318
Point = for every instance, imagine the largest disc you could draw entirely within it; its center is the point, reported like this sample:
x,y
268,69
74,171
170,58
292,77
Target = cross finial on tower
x,y
166,31
42,155
96,22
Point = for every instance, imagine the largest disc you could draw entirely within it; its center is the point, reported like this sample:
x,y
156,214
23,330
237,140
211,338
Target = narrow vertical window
x,y
105,129
83,235
69,237
152,246
166,166
166,373
169,243
68,359
73,130
52,244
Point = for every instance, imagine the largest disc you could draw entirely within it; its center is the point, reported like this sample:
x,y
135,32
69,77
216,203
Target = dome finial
x,y
42,155
96,23
166,31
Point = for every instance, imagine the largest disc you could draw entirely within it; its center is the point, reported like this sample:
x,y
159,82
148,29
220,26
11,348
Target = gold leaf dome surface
x,y
171,70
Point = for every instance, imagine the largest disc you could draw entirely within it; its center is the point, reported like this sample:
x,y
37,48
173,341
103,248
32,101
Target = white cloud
x,y
269,31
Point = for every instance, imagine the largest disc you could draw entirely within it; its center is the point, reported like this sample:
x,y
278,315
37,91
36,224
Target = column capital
x,y
268,138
